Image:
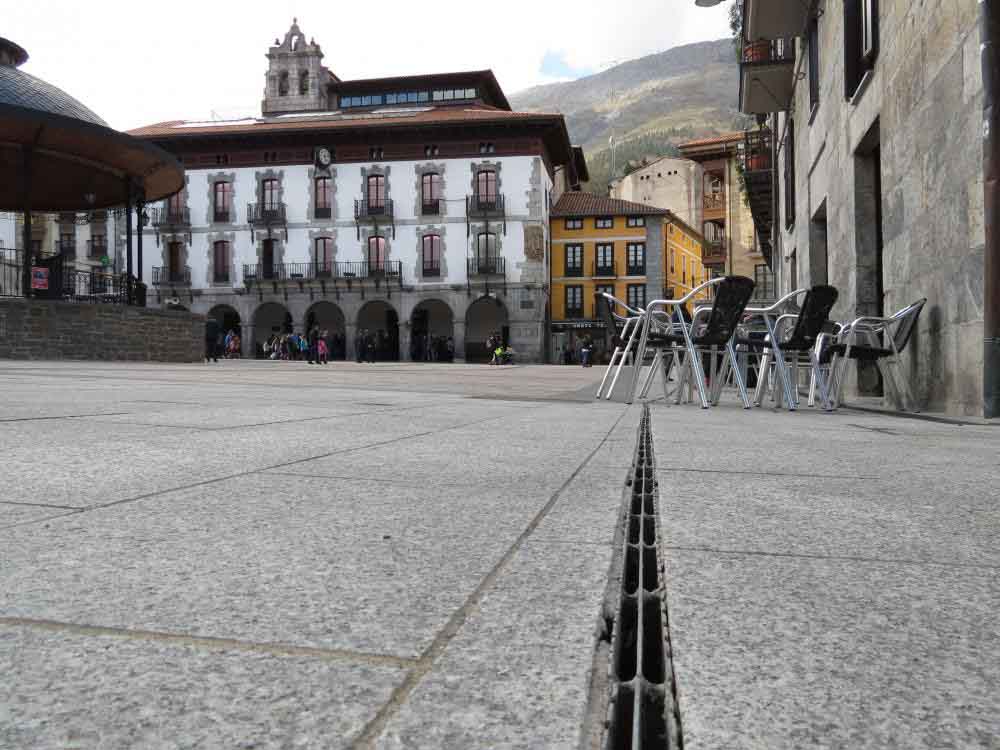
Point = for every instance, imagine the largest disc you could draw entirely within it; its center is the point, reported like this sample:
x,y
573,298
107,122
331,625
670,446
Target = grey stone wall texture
x,y
924,99
40,329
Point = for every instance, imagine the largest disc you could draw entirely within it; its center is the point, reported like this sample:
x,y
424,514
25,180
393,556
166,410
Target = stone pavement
x,y
258,554
832,579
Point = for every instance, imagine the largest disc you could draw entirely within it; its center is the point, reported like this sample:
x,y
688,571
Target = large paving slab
x,y
272,555
830,579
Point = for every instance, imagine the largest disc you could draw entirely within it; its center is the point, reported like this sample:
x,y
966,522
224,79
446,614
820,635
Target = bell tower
x,y
296,79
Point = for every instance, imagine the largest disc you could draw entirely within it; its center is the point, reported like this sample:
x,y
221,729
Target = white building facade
x,y
416,208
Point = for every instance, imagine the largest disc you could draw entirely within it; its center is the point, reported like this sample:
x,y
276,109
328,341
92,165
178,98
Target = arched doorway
x,y
269,319
380,322
229,323
432,327
330,318
485,316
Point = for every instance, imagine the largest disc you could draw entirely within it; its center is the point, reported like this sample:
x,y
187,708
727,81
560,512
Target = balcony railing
x,y
330,270
574,312
431,207
431,272
97,248
602,269
714,202
756,156
171,276
574,270
714,252
486,266
220,276
266,214
764,288
323,212
365,208
479,204
769,51
171,217
636,270
222,215
67,248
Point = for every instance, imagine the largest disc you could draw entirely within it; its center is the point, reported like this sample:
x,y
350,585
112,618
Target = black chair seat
x,y
859,351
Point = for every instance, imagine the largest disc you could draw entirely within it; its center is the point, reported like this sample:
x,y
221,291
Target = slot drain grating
x,y
643,712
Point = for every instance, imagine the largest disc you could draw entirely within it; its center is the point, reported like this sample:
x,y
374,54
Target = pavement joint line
x,y
858,477
840,558
404,483
250,472
39,505
65,416
212,642
32,521
401,693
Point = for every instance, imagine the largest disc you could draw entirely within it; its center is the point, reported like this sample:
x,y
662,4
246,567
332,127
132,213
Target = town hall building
x,y
417,206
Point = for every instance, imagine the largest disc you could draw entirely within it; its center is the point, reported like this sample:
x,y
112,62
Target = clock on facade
x,y
323,157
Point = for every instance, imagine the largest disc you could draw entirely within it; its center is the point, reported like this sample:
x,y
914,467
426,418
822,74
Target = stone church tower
x,y
296,78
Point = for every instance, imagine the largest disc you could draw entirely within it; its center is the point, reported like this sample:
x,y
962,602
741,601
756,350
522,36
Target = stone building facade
x,y
415,206
872,128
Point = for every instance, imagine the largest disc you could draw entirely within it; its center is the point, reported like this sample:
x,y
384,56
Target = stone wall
x,y
38,329
920,113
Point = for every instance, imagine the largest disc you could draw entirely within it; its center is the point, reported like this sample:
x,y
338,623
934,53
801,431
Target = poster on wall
x,y
39,278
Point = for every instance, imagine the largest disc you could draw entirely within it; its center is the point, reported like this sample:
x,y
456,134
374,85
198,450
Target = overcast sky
x,y
138,63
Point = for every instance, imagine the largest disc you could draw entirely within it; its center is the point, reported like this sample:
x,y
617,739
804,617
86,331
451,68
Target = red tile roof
x,y
714,141
388,117
589,204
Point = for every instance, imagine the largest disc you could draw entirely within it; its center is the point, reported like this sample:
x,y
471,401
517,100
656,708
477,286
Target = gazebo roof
x,y
75,155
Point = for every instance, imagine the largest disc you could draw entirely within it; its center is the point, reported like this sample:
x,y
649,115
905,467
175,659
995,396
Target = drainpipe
x,y
989,28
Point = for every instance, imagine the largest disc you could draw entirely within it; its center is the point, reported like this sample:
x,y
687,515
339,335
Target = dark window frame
x,y
324,262
633,297
220,271
574,307
270,190
789,176
222,200
491,180
492,253
430,193
813,42
574,251
857,60
323,197
633,222
604,222
431,243
633,251
573,224
379,191
377,243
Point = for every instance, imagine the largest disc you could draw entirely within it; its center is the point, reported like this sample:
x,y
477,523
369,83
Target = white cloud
x,y
136,64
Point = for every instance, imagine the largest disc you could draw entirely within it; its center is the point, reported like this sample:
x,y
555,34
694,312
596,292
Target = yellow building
x,y
618,247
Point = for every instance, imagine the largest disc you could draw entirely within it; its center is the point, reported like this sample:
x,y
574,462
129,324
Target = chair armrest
x,y
777,305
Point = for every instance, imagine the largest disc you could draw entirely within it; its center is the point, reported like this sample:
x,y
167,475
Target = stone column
x,y
404,343
459,337
350,331
247,342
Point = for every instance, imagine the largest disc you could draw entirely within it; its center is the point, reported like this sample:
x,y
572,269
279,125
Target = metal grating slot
x,y
643,712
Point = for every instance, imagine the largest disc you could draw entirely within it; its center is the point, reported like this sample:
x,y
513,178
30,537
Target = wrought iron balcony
x,y
604,269
636,270
767,76
221,276
97,247
764,286
431,207
431,272
714,202
365,208
774,19
329,270
714,252
573,270
163,276
484,205
266,214
171,217
486,266
222,215
322,212
67,248
757,162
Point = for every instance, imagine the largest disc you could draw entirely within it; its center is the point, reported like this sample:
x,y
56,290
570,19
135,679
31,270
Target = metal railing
x,y
769,51
574,311
363,208
576,270
66,248
169,217
431,207
714,251
486,266
266,214
322,212
756,154
714,202
481,205
66,282
431,271
764,286
222,215
97,248
171,276
636,270
346,270
604,269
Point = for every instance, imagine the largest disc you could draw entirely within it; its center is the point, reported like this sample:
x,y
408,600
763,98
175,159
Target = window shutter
x,y
852,46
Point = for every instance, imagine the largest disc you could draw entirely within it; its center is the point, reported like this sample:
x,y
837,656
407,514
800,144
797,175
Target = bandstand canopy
x,y
77,161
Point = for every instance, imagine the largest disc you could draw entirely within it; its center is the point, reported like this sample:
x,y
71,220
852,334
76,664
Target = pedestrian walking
x,y
213,332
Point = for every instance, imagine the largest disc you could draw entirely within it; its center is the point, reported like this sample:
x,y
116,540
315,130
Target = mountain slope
x,y
649,103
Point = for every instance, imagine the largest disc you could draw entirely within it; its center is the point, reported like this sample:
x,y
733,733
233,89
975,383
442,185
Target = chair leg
x,y
640,356
817,380
763,370
657,358
784,376
668,362
611,366
738,377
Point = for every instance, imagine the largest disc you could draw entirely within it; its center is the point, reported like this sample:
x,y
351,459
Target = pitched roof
x,y
714,141
340,120
589,204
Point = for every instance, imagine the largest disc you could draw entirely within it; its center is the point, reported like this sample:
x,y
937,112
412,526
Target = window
x,y
430,193
635,221
605,259
486,247
605,289
574,223
861,41
574,302
175,204
431,255
222,195
269,192
486,187
487,148
813,41
376,192
604,222
304,82
376,254
323,256
220,262
431,150
636,295
574,260
323,197
671,258
375,153
98,245
684,271
67,243
283,83
790,175
636,258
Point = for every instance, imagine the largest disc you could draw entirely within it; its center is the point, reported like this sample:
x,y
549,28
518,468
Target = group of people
x,y
370,346
228,346
427,348
316,347
501,354
586,352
